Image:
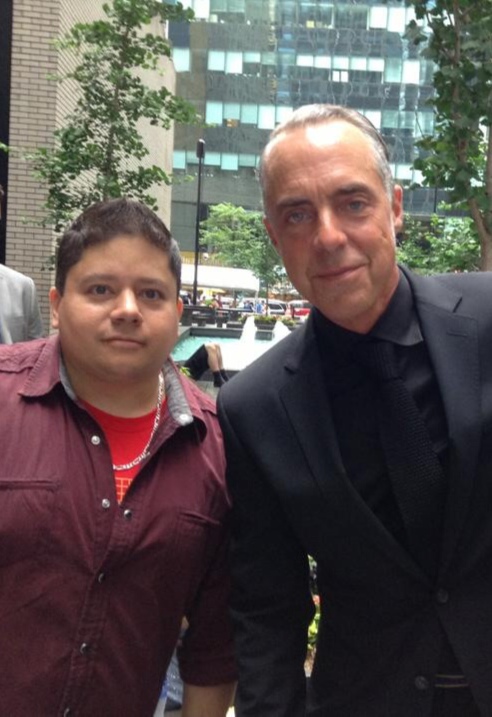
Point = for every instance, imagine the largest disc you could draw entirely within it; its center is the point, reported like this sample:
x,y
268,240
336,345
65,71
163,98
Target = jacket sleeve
x,y
271,602
34,323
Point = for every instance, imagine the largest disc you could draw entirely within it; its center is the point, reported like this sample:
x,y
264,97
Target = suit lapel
x,y
305,401
452,341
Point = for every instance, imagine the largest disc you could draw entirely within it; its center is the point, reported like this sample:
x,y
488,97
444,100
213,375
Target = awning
x,y
220,277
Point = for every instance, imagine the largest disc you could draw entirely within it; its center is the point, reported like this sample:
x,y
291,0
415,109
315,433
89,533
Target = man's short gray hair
x,y
311,115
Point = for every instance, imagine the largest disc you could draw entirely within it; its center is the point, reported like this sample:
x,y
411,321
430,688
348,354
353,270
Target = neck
x,y
129,401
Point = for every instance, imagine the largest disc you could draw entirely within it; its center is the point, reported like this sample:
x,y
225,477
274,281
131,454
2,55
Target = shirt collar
x,y
49,370
398,324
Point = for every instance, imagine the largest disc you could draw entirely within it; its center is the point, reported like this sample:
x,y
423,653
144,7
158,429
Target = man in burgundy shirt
x,y
114,512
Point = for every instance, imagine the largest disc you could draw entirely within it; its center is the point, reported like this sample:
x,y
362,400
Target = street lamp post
x,y
200,153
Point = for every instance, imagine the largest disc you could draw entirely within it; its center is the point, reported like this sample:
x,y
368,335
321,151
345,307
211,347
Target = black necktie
x,y
415,473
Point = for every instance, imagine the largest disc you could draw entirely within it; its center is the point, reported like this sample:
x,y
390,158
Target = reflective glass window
x,y
179,159
392,70
266,116
305,60
375,64
374,116
214,113
181,59
340,63
396,19
234,63
247,160
358,63
201,8
378,16
212,159
282,113
216,60
323,61
229,161
232,110
411,72
249,114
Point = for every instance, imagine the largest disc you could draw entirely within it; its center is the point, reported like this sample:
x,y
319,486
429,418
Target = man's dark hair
x,y
104,221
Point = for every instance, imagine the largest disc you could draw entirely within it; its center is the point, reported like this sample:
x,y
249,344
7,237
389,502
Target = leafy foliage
x,y
458,156
90,157
445,244
240,239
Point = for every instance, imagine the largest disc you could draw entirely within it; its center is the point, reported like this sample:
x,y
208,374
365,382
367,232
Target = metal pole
x,y
200,153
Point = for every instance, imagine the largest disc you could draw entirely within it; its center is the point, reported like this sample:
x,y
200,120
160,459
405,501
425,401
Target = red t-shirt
x,y
127,437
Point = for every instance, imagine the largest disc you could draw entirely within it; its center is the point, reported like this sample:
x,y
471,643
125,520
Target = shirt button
x,y
442,596
67,712
106,503
101,577
127,514
95,440
84,648
421,683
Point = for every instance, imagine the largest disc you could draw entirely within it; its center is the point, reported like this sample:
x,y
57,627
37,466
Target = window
x,y
322,61
216,60
375,64
392,71
212,159
179,159
229,161
266,117
305,60
358,63
378,16
247,160
234,63
232,110
396,19
214,113
249,114
411,72
340,63
374,116
282,114
181,59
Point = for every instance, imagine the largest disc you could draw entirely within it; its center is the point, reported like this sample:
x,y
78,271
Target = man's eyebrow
x,y
99,278
347,190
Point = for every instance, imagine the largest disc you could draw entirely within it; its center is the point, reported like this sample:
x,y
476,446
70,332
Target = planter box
x,y
264,334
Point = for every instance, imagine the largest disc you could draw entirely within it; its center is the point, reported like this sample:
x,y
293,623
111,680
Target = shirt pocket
x,y
26,510
195,542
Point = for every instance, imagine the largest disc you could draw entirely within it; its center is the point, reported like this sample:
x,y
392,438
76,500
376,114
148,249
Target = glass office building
x,y
246,64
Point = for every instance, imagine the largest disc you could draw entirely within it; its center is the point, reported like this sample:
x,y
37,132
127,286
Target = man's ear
x,y
179,306
55,298
271,233
397,207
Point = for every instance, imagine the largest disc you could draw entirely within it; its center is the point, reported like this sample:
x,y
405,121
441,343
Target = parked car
x,y
276,308
299,307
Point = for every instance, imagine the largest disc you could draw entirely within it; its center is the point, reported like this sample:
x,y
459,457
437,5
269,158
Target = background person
x,y
115,517
20,318
399,521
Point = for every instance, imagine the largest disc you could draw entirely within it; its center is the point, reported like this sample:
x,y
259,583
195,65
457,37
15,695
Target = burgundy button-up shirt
x,y
92,593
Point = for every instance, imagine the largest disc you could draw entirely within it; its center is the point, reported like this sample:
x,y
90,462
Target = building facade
x,y
32,106
246,64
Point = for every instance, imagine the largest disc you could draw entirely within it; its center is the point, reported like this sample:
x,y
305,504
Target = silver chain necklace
x,y
145,453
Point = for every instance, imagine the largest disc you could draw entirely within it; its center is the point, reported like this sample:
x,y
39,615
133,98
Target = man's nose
x,y
126,306
330,234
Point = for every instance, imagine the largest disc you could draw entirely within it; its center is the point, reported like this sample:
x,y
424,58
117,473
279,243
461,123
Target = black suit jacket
x,y
382,619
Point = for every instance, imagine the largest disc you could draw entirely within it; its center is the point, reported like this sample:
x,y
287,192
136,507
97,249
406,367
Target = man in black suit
x,y
400,528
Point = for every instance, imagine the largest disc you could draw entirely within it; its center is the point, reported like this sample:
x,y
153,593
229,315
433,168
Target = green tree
x,y
443,244
99,152
458,156
239,238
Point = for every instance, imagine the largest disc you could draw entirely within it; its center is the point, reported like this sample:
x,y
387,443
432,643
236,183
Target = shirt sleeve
x,y
206,656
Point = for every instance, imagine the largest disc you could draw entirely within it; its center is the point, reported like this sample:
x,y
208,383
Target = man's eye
x,y
357,205
152,294
99,289
297,217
